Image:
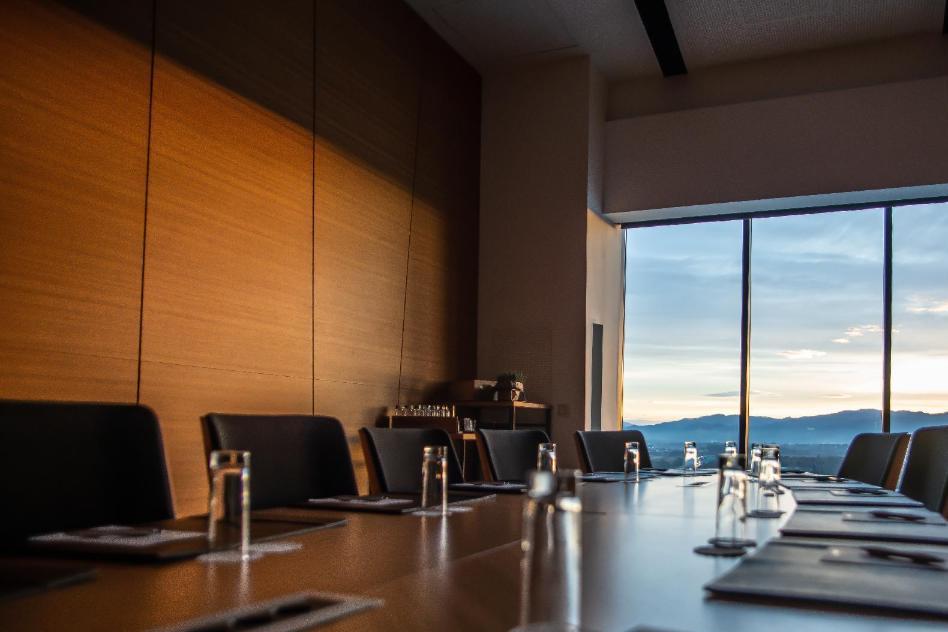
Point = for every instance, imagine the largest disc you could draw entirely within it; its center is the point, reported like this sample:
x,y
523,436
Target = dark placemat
x,y
390,503
803,572
684,473
162,541
291,613
490,487
838,497
616,477
21,576
860,525
810,484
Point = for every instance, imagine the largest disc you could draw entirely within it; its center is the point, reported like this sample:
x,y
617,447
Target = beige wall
x,y
604,305
534,170
861,139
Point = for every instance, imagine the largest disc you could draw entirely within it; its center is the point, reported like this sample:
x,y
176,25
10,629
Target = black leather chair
x,y
875,458
604,450
925,475
393,458
507,455
77,465
292,457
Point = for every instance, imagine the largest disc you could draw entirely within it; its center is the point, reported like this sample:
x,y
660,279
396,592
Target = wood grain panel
x,y
440,308
73,135
227,319
179,396
367,109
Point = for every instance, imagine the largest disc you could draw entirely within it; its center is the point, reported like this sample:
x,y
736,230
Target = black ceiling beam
x,y
661,34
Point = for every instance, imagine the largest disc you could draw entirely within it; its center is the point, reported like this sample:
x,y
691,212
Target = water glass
x,y
546,457
434,481
769,479
691,461
630,461
730,448
731,511
550,583
228,505
755,459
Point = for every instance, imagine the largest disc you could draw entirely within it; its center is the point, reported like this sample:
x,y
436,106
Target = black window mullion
x,y
745,338
887,322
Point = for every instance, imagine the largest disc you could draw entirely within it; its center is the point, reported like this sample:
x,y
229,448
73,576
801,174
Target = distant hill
x,y
832,428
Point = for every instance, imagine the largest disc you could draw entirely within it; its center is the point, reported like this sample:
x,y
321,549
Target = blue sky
x,y
816,309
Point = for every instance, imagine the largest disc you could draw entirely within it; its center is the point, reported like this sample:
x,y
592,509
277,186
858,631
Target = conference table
x,y
462,573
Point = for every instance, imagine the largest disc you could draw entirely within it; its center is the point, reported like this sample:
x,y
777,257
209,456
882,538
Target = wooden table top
x,y
462,573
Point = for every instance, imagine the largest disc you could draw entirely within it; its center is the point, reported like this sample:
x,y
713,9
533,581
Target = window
x,y
683,312
816,342
919,317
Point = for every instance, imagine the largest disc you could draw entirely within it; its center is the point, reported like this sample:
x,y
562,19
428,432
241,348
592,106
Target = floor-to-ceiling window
x,y
919,317
816,342
818,291
682,325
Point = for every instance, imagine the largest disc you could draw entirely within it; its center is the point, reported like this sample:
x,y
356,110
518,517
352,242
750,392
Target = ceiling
x,y
494,33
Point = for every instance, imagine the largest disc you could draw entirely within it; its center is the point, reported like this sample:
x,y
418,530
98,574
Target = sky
x,y
816,343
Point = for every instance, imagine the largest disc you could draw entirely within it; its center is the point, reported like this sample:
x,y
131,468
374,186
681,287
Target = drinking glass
x,y
692,461
228,505
550,583
434,481
769,479
730,448
755,459
546,457
731,511
630,460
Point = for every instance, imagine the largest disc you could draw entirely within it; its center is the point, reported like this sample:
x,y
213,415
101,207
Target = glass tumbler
x,y
731,510
755,459
730,448
551,544
630,461
434,481
691,461
228,506
768,489
546,457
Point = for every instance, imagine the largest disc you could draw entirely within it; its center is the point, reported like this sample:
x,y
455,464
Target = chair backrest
x,y
875,458
292,457
393,458
507,455
76,465
604,450
925,475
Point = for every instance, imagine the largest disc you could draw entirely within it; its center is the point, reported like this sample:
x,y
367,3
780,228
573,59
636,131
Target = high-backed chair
x,y
925,475
393,458
507,455
604,450
77,465
292,457
875,458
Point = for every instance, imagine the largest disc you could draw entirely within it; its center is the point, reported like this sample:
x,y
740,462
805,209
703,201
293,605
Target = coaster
x,y
719,551
765,513
732,543
694,484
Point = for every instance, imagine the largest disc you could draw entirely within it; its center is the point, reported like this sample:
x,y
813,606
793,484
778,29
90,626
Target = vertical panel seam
x,y
151,107
313,266
411,220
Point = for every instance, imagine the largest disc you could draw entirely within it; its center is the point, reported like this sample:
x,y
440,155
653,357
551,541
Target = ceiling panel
x,y
712,32
494,33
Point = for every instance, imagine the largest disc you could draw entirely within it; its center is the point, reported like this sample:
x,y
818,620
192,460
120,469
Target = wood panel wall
x,y
234,207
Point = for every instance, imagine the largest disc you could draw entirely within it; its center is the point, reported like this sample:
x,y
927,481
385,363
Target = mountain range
x,y
839,427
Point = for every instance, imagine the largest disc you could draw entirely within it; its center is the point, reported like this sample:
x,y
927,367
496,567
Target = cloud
x,y
838,396
929,307
801,354
841,341
724,394
861,330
